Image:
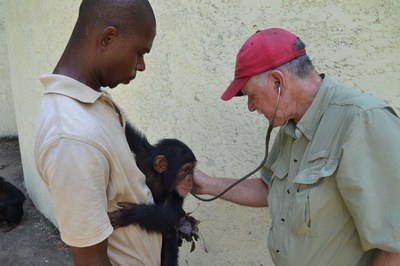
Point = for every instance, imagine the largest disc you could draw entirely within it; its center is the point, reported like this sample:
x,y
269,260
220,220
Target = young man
x,y
332,178
80,146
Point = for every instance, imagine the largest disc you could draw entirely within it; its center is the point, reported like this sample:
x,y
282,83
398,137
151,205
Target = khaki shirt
x,y
82,155
334,182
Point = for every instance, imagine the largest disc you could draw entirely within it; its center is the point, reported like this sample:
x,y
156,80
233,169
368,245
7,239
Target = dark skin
x,y
105,56
11,201
93,255
92,62
168,167
108,44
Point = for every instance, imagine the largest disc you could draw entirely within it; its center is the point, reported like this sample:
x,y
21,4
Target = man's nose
x,y
250,105
140,66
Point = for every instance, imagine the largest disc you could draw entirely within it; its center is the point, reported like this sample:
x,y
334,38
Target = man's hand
x,y
199,182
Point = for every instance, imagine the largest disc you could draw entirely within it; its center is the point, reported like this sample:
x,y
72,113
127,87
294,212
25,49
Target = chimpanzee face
x,y
184,179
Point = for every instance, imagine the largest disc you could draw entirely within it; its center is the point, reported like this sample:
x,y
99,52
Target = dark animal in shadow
x,y
11,201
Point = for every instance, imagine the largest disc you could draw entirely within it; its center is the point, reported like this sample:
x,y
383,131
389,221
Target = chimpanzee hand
x,y
117,218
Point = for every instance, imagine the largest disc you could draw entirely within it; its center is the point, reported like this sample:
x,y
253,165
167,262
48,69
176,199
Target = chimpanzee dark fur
x,y
167,211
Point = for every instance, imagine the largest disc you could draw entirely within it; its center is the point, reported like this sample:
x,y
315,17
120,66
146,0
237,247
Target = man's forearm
x,y
384,258
91,256
250,192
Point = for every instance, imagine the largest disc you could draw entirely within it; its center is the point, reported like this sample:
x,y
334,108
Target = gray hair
x,y
300,66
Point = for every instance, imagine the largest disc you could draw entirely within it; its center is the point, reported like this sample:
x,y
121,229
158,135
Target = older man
x,y
332,179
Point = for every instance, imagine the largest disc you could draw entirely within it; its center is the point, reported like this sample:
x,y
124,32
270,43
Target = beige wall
x,y
8,125
191,63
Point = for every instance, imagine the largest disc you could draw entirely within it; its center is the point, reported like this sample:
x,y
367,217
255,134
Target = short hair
x,y
300,66
126,15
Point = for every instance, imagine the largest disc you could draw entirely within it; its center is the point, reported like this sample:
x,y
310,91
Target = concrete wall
x,y
37,32
8,125
191,63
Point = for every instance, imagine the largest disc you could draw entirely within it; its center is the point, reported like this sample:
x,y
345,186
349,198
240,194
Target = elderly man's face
x,y
262,97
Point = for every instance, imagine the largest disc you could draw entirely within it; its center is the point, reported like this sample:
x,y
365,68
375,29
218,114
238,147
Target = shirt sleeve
x,y
77,176
369,178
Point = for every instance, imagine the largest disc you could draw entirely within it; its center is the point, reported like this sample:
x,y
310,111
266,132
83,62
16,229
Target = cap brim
x,y
234,89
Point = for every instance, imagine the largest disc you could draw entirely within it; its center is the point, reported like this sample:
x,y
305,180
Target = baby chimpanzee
x,y
168,167
11,201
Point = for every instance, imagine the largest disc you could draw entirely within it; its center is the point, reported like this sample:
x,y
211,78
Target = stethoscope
x,y
267,138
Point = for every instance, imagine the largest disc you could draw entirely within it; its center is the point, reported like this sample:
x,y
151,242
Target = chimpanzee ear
x,y
160,164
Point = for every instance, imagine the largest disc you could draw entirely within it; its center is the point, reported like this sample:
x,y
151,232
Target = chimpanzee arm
x,y
137,142
154,218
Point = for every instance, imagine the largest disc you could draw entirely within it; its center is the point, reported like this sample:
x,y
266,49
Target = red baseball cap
x,y
263,51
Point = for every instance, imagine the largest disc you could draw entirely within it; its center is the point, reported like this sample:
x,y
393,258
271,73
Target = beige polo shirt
x,y
82,155
334,182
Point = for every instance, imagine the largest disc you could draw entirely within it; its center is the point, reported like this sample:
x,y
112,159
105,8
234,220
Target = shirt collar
x,y
69,87
309,122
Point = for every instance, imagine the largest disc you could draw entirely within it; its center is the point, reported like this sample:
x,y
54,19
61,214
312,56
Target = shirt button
x,y
277,251
295,160
288,191
283,220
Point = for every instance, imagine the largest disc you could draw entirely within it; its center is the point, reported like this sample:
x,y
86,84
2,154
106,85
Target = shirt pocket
x,y
279,169
317,205
278,173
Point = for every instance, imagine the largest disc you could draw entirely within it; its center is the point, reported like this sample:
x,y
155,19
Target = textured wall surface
x,y
191,63
37,32
8,125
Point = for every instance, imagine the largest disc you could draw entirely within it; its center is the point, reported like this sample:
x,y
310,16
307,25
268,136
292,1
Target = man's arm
x,y
94,255
251,192
384,258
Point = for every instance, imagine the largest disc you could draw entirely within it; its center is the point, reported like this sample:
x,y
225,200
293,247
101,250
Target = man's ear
x,y
108,36
160,164
279,80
